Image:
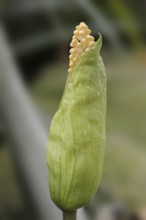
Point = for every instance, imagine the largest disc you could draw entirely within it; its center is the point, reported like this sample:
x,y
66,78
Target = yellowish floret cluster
x,y
81,42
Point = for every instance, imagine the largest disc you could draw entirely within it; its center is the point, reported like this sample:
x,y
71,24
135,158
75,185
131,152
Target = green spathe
x,y
76,144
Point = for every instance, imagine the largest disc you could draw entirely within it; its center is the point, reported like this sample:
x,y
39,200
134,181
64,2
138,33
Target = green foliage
x,y
77,134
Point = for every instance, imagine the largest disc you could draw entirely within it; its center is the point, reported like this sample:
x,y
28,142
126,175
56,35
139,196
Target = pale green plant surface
x,y
76,143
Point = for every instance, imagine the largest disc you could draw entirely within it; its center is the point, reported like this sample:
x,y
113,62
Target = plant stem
x,y
69,215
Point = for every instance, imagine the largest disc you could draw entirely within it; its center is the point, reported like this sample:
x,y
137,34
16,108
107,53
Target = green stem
x,y
69,215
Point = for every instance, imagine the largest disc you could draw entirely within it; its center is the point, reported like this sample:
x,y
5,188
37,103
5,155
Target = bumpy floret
x,y
81,42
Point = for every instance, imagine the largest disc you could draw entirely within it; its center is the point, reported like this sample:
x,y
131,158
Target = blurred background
x,y
37,34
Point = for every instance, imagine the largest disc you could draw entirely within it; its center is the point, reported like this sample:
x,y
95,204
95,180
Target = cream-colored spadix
x,y
81,42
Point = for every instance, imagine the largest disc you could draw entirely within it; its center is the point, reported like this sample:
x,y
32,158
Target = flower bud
x,y
75,149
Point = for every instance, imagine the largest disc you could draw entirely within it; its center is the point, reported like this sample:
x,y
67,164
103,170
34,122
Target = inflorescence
x,y
81,42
